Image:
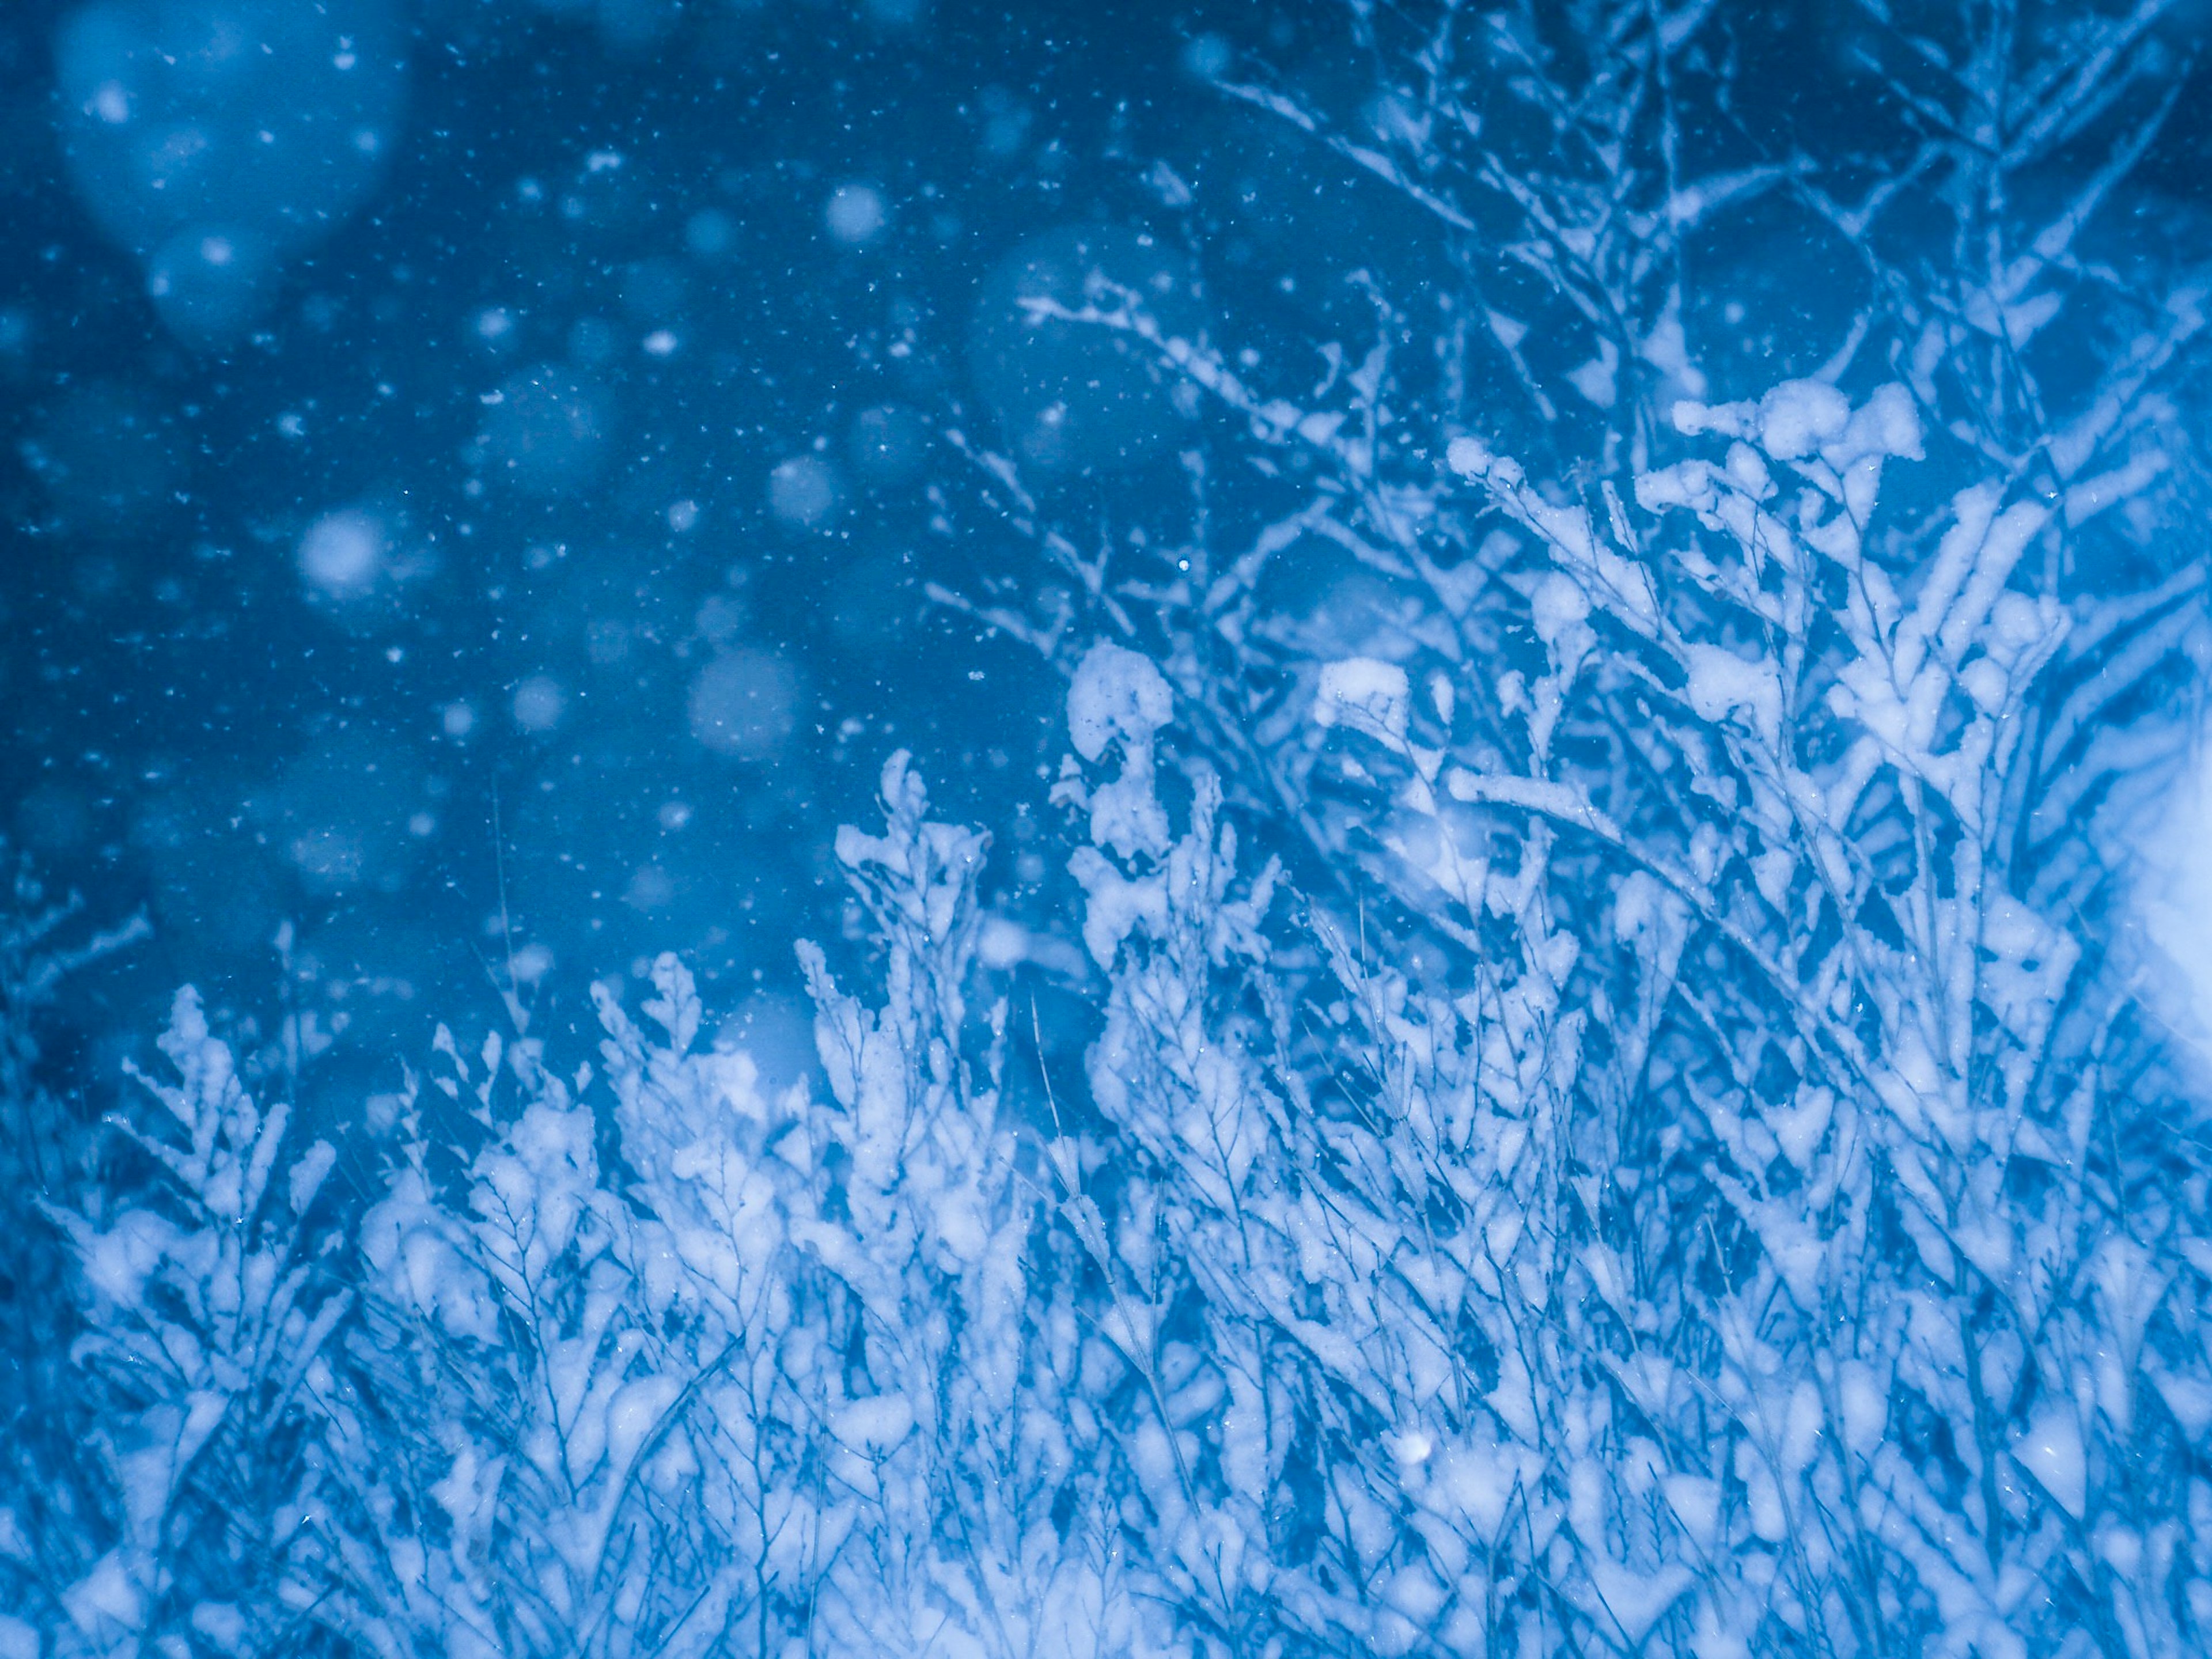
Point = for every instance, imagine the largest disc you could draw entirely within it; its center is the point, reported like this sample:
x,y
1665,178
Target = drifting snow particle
x,y
634,26
682,515
803,492
661,343
341,555
54,818
606,640
548,431
593,340
745,704
856,214
209,286
338,812
530,964
458,720
650,889
1006,122
1207,57
710,232
889,443
655,292
539,702
720,618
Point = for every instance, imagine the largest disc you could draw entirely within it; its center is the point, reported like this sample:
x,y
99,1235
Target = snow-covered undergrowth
x,y
1624,1114
1764,1245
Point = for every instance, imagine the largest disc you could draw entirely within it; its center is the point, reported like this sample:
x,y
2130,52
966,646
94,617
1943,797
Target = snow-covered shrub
x,y
1750,1246
1687,1168
206,1293
1622,1119
50,1514
710,1373
967,1419
565,1421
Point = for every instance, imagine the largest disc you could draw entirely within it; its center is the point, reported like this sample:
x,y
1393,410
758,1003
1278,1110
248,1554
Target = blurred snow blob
x,y
710,232
341,555
1077,396
17,333
856,214
54,818
745,704
215,888
871,603
107,457
339,813
530,963
635,26
547,433
655,290
804,492
1207,57
209,286
539,702
214,139
651,888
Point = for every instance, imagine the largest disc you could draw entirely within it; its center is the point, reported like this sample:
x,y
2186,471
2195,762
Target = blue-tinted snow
x,y
905,826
